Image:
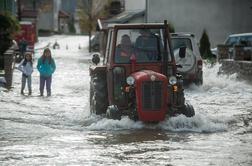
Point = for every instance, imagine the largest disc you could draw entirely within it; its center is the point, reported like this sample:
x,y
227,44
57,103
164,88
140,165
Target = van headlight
x,y
130,80
172,80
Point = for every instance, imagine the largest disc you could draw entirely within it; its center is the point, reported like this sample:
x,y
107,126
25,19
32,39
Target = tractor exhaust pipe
x,y
165,61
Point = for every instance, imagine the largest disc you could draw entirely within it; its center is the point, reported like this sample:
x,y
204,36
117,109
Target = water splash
x,y
109,124
198,123
215,81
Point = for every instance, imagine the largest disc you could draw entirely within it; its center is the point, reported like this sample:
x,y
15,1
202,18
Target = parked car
x,y
26,39
191,65
244,39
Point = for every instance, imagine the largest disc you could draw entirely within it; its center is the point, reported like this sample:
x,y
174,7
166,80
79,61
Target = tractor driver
x,y
124,50
148,46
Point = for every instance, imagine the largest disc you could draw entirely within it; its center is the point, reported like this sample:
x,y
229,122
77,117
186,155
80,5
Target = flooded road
x,y
59,130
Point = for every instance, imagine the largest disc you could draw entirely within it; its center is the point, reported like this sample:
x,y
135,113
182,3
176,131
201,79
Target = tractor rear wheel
x,y
98,94
113,113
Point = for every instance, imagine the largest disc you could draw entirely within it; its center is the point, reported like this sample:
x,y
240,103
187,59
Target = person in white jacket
x,y
26,67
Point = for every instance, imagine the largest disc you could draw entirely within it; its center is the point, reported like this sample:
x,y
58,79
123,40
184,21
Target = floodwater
x,y
59,130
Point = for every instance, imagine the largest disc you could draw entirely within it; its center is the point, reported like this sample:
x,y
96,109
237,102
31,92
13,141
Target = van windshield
x,y
240,40
145,45
232,41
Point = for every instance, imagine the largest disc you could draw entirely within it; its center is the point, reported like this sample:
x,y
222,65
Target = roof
x,y
135,24
240,34
126,16
131,26
103,25
63,14
182,34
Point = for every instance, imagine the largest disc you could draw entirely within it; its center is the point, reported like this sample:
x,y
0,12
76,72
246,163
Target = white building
x,y
135,5
48,15
134,12
219,17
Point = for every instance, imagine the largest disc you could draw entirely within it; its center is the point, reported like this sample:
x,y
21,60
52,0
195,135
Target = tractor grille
x,y
152,95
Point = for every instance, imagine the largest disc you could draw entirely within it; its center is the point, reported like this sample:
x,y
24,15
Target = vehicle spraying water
x,y
59,130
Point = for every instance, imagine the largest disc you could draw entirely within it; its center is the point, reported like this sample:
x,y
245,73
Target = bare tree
x,y
90,11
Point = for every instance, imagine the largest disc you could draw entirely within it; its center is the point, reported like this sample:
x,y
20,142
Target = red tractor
x,y
138,74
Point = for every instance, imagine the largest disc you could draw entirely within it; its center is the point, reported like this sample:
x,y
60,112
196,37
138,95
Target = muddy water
x,y
60,131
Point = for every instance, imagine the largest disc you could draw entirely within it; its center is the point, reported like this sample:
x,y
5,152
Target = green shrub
x,y
9,27
205,46
71,26
171,28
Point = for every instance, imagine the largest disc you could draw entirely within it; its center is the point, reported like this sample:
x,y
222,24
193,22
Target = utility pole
x,y
34,5
90,25
19,10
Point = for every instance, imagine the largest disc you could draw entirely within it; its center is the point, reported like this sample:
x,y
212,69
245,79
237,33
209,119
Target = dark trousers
x,y
48,81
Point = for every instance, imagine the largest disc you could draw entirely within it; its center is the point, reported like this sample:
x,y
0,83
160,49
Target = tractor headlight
x,y
172,80
130,80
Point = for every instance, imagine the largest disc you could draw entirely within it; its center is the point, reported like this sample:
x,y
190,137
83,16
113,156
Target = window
x,y
181,42
145,45
240,40
246,41
232,41
108,46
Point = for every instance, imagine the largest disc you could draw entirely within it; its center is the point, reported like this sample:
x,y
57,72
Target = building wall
x,y
134,4
219,17
69,6
45,20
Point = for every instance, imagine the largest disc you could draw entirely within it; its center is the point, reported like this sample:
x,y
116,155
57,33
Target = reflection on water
x,y
131,136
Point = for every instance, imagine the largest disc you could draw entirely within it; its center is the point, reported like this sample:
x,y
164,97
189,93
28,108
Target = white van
x,y
191,64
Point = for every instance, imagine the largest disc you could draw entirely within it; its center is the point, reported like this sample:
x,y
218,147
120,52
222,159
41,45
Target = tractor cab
x,y
138,75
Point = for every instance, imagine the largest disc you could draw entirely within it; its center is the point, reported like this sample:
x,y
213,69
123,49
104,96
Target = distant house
x,y
219,17
48,15
133,16
134,12
8,5
69,8
63,19
29,15
54,15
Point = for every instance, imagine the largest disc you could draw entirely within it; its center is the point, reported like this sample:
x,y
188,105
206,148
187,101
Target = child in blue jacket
x,y
46,67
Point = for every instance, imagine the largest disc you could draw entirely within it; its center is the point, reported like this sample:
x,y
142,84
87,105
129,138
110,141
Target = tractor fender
x,y
97,70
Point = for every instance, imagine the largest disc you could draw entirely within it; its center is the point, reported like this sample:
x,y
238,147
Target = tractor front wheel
x,y
188,110
113,113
